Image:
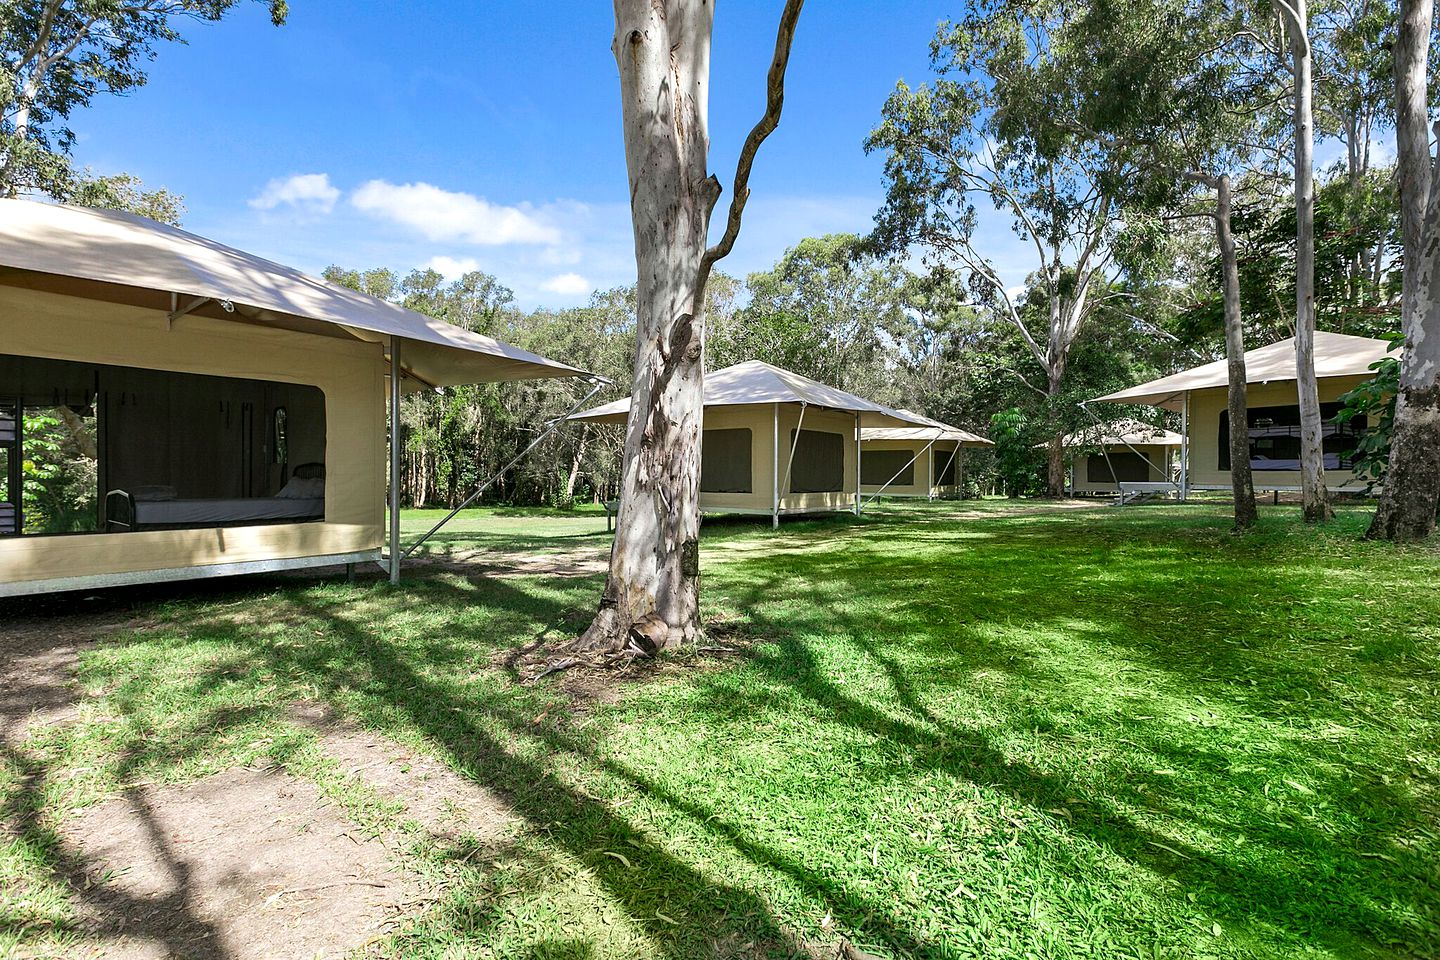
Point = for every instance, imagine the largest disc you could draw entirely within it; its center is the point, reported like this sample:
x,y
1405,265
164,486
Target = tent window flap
x,y
819,465
878,466
725,461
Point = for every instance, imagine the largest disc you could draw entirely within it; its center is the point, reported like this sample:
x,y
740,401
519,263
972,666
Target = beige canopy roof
x,y
757,382
107,255
1336,355
1123,432
934,430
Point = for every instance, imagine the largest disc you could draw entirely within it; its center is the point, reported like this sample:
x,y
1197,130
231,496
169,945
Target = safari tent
x,y
775,442
1342,362
1125,450
173,408
925,461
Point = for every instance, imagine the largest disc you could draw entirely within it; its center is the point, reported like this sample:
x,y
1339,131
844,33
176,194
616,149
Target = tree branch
x,y
774,102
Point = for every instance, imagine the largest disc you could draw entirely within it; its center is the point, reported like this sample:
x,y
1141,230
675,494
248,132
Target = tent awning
x,y
935,430
1122,433
105,254
1336,355
756,382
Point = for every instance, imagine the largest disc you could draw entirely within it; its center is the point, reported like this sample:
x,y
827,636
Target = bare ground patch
x,y
244,864
37,668
252,864
493,563
446,804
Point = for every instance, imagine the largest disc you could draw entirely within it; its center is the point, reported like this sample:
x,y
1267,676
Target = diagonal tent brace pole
x,y
800,425
953,454
1106,453
924,449
597,384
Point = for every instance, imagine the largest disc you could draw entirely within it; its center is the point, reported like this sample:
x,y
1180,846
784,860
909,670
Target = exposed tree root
x,y
531,663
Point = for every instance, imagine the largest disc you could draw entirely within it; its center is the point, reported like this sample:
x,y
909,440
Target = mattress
x,y
192,512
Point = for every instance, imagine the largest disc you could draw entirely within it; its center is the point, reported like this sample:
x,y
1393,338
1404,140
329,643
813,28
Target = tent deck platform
x,y
21,588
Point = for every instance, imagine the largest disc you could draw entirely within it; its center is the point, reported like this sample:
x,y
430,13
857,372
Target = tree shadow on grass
x,y
792,604
169,919
400,683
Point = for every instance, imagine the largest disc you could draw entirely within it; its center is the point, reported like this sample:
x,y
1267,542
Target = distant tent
x,y
1123,451
915,461
776,442
1342,362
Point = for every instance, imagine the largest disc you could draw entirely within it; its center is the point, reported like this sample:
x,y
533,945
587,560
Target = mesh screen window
x,y
1275,438
877,467
945,464
819,465
1129,466
725,461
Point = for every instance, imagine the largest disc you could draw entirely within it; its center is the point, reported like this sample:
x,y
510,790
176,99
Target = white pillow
x,y
302,489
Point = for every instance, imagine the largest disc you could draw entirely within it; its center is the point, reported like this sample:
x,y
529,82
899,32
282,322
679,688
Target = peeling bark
x,y
662,47
1411,495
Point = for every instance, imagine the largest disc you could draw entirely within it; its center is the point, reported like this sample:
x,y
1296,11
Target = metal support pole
x,y
1185,447
884,486
857,464
953,454
930,473
597,384
790,463
394,459
775,471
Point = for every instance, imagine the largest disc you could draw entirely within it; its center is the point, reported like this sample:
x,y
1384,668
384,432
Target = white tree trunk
x,y
1411,495
651,598
1241,480
575,463
1314,499
651,595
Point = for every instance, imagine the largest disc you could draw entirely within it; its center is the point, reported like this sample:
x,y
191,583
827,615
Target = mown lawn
x,y
1101,734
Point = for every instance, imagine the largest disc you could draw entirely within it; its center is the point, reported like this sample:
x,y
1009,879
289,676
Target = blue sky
x,y
488,135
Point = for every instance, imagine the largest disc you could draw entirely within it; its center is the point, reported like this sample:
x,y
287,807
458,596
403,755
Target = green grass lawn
x,y
1100,733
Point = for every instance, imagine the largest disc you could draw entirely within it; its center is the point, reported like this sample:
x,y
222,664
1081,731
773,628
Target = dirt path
x,y
248,864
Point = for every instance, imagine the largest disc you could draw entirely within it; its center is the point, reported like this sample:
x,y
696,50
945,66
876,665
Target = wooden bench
x,y
612,510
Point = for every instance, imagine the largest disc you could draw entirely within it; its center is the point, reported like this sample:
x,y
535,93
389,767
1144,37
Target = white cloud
x,y
311,192
447,215
452,268
567,285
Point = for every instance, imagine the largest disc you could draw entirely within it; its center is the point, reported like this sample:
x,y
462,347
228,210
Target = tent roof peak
x,y
1336,355
758,382
90,252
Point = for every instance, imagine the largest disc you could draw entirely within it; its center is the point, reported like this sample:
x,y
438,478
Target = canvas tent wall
x,y
926,461
1342,362
159,339
775,442
1125,450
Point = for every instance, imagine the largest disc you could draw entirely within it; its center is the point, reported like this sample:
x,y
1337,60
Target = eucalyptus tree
x,y
662,49
1411,494
828,309
57,55
991,129
1183,83
1314,497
